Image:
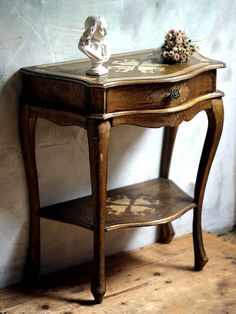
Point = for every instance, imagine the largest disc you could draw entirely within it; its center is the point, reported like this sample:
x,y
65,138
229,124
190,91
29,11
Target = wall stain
x,y
216,45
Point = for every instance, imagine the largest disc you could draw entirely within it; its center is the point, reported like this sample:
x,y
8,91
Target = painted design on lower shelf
x,y
140,206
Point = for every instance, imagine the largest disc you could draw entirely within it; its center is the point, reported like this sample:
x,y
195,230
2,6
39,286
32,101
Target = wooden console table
x,y
139,90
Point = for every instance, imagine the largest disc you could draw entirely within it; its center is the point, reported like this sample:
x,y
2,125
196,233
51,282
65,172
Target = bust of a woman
x,y
92,43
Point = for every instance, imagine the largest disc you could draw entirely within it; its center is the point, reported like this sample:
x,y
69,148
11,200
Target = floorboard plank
x,y
154,279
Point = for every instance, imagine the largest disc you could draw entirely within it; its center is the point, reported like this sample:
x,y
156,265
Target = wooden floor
x,y
155,279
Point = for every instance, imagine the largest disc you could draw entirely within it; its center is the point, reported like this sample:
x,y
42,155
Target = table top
x,y
127,69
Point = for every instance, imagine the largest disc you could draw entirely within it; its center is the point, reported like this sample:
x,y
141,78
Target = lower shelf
x,y
144,204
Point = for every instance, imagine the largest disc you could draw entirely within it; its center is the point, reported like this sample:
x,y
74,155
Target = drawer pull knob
x,y
175,94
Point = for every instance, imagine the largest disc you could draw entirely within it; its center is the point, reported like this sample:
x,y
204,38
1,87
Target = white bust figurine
x,y
92,43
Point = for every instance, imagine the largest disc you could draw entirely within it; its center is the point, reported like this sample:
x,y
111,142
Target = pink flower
x,y
176,57
168,36
179,40
170,44
165,54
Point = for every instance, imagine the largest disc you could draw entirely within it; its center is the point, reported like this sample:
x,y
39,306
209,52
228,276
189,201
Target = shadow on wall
x,y
12,262
13,197
9,103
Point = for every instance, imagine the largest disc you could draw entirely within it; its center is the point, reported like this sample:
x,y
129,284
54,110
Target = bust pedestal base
x,y
97,69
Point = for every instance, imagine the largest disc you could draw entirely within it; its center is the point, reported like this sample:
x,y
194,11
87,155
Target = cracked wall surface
x,y
38,32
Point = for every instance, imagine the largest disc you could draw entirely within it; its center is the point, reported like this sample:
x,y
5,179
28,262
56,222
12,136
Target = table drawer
x,y
56,92
160,95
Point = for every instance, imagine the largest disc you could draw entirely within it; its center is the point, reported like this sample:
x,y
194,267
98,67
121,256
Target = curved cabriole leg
x,y
215,124
98,138
166,231
27,133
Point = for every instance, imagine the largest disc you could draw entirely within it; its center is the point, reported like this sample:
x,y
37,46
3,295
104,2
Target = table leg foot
x,y
98,294
30,278
200,263
200,257
166,233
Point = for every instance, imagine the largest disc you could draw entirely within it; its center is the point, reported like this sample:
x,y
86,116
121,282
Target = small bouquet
x,y
177,47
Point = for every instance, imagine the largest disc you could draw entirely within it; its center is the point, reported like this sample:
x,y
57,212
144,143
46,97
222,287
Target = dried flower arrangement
x,y
177,47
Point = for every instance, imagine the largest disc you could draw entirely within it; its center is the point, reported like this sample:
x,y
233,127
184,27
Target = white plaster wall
x,y
43,31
